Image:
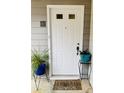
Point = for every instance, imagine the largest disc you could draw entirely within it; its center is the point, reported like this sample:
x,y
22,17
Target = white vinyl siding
x,y
39,36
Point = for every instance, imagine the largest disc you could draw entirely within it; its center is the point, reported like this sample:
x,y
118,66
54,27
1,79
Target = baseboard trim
x,y
64,77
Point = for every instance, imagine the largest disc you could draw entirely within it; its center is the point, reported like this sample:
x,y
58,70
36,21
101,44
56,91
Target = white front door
x,y
66,30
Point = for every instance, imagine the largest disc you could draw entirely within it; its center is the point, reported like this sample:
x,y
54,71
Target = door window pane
x,y
71,16
59,16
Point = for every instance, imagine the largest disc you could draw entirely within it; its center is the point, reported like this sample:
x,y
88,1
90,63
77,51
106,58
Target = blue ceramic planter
x,y
41,69
85,58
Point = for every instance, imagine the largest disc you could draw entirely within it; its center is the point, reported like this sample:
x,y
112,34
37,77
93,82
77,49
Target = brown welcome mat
x,y
67,85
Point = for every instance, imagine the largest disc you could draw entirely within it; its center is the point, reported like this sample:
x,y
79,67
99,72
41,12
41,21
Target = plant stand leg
x,y
79,71
35,81
38,84
46,76
89,72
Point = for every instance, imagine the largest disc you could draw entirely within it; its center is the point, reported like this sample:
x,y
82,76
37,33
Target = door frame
x,y
49,7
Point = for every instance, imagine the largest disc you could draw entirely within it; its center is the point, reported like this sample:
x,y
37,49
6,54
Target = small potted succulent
x,y
85,56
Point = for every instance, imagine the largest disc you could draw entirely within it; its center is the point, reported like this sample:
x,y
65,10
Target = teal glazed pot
x,y
85,58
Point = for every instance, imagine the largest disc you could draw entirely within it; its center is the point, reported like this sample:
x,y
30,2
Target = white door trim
x,y
49,7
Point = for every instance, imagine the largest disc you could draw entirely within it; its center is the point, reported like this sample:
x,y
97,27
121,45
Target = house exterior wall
x,y
91,47
39,38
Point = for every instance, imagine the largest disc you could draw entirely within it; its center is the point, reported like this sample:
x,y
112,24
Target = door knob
x,y
77,48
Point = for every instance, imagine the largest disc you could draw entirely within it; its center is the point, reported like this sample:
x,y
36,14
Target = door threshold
x,y
66,77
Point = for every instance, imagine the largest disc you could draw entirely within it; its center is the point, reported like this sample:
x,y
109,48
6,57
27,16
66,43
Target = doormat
x,y
67,85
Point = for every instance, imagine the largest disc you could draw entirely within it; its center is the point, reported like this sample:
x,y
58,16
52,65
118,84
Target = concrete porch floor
x,y
46,87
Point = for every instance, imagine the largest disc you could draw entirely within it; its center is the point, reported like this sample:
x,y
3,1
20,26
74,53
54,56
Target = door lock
x,y
78,49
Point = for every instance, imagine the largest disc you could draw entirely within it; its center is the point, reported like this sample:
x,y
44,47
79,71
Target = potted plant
x,y
40,65
39,62
85,56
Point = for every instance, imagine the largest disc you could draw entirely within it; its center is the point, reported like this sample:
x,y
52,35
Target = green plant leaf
x,y
38,58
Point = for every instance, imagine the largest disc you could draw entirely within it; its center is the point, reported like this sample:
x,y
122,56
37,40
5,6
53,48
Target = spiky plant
x,y
38,58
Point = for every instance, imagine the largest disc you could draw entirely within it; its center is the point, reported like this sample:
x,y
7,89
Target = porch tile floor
x,y
46,87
